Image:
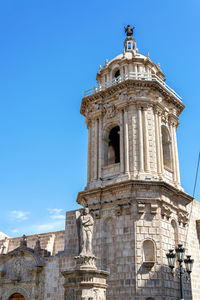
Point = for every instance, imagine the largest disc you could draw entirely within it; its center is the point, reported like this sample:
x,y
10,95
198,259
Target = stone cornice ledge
x,y
81,198
131,84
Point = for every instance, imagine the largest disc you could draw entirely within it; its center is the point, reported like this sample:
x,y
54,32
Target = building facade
x,y
133,191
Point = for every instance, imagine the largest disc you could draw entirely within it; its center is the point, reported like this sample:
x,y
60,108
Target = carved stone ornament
x,y
118,210
183,217
127,208
110,112
22,263
97,214
154,207
142,93
165,117
85,262
166,211
141,207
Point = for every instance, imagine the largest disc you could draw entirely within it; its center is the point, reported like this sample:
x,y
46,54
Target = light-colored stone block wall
x,y
51,241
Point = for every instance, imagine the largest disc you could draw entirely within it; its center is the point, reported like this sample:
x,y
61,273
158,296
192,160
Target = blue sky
x,y
50,52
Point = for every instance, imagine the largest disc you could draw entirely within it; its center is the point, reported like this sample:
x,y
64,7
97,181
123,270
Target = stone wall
x,y
121,234
51,241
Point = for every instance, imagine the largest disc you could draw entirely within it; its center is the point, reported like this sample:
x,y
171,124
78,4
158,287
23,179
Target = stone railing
x,y
131,76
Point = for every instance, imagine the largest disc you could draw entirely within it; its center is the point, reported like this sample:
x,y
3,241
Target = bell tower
x,y
132,118
133,185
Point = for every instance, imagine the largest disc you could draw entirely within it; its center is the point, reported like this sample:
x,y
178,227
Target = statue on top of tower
x,y
129,30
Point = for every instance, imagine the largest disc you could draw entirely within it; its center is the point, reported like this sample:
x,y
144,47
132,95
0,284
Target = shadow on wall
x,y
161,282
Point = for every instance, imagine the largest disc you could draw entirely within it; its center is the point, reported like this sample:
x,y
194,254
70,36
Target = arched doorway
x,y
17,296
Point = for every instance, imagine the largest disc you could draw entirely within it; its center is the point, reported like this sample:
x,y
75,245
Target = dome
x,y
130,61
126,55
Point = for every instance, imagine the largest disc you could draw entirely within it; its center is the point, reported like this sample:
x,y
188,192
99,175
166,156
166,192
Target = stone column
x,y
121,141
100,147
176,155
126,141
173,151
89,152
146,140
140,133
157,140
130,68
85,284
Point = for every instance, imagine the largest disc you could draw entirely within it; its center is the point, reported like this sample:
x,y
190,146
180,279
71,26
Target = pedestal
x,y
85,282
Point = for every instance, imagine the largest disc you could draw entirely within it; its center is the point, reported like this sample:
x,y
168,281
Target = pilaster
x,y
88,123
146,139
121,141
126,140
157,140
140,133
100,146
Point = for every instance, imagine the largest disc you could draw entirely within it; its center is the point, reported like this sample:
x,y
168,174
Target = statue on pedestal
x,y
85,226
86,232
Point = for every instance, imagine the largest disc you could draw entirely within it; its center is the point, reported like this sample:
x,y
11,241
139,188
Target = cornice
x,y
131,84
131,184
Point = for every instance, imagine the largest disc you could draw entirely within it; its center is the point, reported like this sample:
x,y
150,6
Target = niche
x,y
114,146
174,234
148,248
166,145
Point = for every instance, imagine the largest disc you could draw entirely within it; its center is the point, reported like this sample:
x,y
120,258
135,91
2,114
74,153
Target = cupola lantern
x,y
129,43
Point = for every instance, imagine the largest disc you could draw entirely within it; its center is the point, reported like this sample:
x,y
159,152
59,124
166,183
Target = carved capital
x,y
85,262
173,120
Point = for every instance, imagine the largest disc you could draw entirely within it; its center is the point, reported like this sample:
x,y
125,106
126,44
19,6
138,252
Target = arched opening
x,y
166,145
114,146
117,74
148,251
150,298
17,296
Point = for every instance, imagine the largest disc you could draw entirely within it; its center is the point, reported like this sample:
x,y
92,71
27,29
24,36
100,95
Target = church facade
x,y
133,192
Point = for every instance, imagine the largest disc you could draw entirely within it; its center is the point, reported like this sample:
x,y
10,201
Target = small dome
x,y
129,62
126,55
